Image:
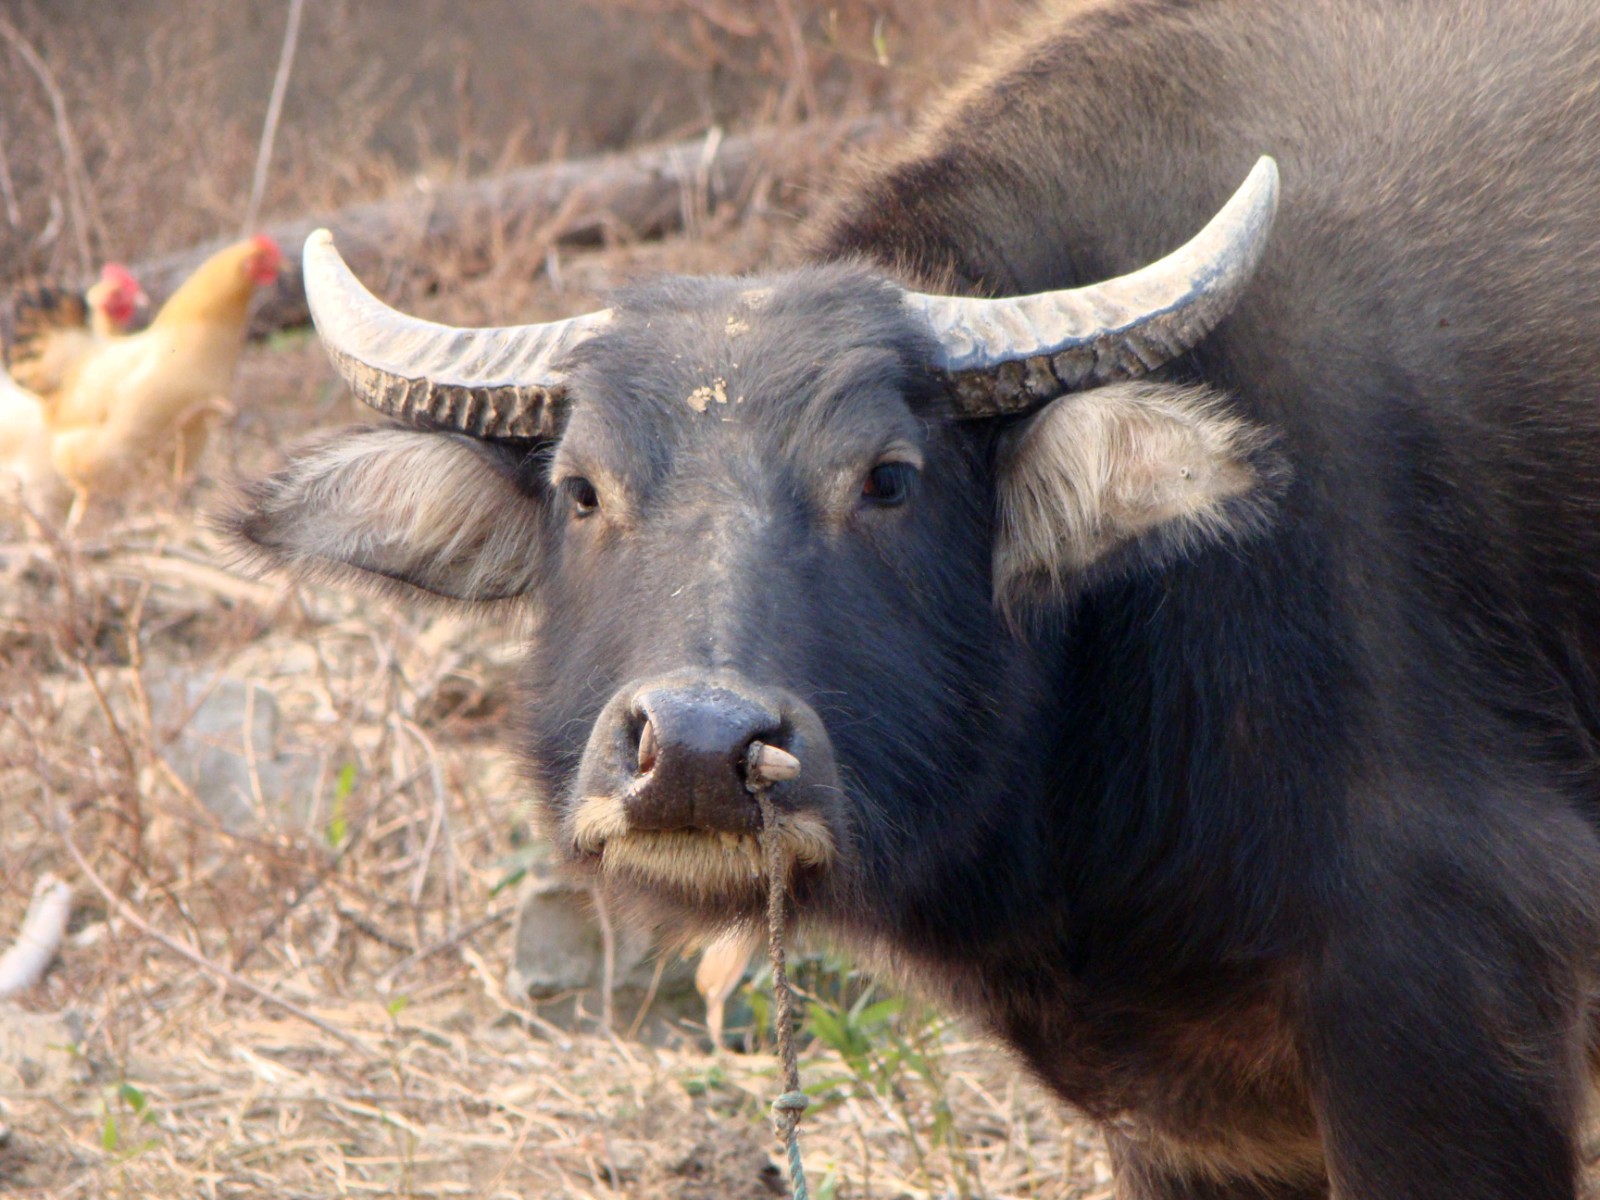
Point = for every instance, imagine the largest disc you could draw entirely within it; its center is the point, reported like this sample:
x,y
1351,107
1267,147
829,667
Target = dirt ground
x,y
304,994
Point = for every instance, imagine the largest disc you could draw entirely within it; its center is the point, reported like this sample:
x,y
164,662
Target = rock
x,y
38,1051
219,734
224,744
558,957
558,946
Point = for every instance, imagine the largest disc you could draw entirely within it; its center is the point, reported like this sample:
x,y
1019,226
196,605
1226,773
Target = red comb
x,y
266,260
119,276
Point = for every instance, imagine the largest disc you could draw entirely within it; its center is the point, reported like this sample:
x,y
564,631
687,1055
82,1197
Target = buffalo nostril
x,y
649,747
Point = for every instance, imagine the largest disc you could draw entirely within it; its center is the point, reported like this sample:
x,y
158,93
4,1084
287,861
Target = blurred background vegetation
x,y
163,102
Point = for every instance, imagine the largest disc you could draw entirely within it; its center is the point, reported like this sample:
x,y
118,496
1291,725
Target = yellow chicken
x,y
721,970
138,398
26,471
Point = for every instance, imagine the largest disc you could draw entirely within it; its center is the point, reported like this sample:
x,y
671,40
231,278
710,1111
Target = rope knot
x,y
790,1105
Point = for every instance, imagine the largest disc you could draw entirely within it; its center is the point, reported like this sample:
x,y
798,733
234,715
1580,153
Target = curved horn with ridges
x,y
1012,354
490,383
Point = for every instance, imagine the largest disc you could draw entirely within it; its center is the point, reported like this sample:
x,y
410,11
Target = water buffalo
x,y
1193,669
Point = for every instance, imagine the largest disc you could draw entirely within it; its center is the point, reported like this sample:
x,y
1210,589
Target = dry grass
x,y
311,1002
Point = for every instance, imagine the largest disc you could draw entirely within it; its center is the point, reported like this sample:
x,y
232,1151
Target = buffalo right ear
x,y
1126,477
446,515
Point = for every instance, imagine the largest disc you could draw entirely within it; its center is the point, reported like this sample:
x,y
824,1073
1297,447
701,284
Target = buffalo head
x,y
808,516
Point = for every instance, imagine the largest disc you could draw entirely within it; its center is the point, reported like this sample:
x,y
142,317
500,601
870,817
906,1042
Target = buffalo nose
x,y
692,742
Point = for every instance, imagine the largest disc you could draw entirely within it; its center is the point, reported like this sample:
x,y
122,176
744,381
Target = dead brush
x,y
809,57
153,176
116,164
299,1007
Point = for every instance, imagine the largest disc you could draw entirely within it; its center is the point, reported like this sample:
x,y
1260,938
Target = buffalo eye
x,y
888,483
581,494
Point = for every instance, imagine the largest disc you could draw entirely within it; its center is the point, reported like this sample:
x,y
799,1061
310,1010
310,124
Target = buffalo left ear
x,y
399,510
1126,476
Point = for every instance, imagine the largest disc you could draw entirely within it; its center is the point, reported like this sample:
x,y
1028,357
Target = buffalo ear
x,y
439,513
1128,475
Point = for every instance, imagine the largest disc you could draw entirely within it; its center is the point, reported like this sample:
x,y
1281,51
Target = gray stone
x,y
39,1051
220,736
558,961
558,946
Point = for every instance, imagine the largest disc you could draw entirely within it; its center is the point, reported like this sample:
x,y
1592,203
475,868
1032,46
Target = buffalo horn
x,y
1012,354
491,383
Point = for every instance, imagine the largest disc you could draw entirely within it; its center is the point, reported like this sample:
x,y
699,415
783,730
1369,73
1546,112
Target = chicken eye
x,y
888,483
581,495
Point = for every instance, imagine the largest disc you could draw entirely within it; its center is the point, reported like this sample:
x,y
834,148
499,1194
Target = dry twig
x,y
128,914
8,191
78,196
269,131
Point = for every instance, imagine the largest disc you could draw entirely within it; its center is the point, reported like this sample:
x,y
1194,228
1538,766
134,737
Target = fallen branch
x,y
43,927
646,193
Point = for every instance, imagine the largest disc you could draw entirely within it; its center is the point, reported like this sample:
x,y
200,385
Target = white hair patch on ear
x,y
1141,471
389,506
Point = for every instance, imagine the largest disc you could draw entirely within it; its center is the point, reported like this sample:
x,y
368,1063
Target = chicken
x,y
53,329
27,474
139,398
721,970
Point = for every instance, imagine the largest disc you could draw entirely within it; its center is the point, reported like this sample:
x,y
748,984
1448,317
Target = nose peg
x,y
766,765
649,747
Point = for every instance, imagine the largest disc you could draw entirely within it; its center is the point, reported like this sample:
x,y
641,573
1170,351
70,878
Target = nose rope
x,y
788,1107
